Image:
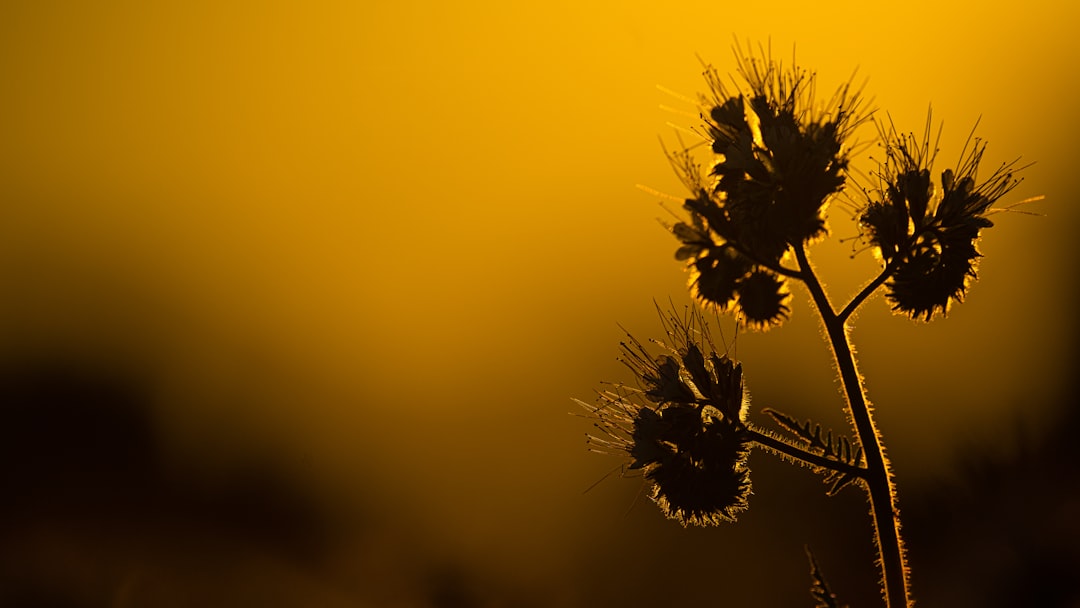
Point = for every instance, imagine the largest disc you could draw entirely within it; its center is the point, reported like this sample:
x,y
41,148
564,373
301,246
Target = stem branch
x,y
778,445
870,288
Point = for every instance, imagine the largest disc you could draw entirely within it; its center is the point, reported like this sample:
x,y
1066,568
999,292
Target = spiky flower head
x,y
682,425
925,230
778,161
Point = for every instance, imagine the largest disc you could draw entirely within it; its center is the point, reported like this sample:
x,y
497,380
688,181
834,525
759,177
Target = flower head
x,y
926,231
683,425
778,162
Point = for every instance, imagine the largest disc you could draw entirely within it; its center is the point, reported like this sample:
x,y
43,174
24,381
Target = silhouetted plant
x,y
779,161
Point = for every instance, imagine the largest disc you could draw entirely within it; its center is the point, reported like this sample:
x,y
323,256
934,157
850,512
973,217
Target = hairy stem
x,y
870,288
780,446
878,478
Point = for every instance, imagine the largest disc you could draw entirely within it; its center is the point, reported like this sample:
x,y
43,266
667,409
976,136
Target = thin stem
x,y
879,481
870,288
778,445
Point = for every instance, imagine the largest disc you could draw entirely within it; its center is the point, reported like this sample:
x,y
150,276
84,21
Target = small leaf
x,y
836,449
823,596
791,424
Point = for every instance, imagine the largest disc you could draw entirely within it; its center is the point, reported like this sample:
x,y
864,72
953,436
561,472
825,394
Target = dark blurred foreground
x,y
93,516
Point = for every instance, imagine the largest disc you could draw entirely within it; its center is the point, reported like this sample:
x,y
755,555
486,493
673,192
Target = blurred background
x,y
294,298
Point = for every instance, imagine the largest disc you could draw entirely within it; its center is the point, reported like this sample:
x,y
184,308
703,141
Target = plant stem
x,y
866,291
779,446
879,481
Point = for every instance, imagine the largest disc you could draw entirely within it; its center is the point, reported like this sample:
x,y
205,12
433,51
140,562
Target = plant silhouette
x,y
779,159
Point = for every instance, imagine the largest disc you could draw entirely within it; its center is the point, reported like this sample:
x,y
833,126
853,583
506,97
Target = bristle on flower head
x,y
683,425
779,159
925,230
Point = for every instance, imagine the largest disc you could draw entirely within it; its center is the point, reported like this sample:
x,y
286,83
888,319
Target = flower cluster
x,y
778,162
926,233
689,438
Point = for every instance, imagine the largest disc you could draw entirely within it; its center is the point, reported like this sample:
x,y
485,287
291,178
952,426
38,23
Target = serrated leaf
x,y
835,447
791,424
841,482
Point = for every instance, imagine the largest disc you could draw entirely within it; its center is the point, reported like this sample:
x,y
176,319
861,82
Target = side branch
x,y
870,288
775,444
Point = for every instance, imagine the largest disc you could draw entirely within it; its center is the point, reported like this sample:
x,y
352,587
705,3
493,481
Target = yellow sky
x,y
389,241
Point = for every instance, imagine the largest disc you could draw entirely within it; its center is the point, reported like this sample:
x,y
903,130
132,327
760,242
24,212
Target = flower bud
x,y
762,299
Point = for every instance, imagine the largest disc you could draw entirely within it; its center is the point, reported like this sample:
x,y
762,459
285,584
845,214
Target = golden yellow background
x,y
374,248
